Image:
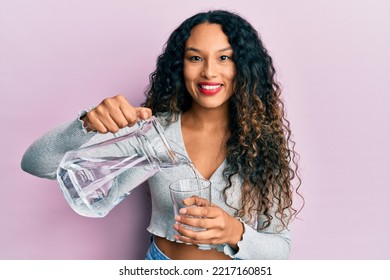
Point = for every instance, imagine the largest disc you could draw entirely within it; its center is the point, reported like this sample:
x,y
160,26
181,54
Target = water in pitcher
x,y
91,184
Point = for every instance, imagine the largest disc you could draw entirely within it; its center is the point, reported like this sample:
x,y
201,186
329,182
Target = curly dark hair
x,y
259,148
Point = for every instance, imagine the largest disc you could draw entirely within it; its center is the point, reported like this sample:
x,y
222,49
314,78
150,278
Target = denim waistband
x,y
154,253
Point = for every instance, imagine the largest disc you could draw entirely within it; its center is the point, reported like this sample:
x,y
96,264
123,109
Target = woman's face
x,y
209,69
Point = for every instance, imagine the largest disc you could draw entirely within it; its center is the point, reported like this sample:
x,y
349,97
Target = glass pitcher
x,y
91,178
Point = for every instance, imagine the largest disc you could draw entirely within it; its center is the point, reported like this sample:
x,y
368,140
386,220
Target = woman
x,y
215,93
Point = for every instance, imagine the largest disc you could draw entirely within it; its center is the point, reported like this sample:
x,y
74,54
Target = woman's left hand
x,y
220,227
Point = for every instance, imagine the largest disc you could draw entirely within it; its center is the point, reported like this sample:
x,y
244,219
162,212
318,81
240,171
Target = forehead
x,y
207,36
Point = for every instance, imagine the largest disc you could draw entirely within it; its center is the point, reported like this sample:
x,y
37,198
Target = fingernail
x,y
177,218
183,211
176,227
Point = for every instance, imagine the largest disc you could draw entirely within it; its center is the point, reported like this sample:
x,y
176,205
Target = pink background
x,y
333,58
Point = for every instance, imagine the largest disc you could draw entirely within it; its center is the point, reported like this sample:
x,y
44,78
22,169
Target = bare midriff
x,y
180,251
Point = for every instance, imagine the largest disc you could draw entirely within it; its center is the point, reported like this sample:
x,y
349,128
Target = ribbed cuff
x,y
82,114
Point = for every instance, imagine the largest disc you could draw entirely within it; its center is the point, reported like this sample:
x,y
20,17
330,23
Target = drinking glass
x,y
188,187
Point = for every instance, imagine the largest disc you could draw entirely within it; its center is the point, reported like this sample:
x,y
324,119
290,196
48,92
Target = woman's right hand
x,y
113,114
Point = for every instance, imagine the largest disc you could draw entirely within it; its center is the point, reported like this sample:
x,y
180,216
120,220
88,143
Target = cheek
x,y
230,73
187,80
190,78
233,72
188,74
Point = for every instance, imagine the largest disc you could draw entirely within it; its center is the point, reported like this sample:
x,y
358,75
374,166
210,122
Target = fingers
x,y
113,114
202,217
196,237
197,218
196,222
196,200
214,225
207,225
203,210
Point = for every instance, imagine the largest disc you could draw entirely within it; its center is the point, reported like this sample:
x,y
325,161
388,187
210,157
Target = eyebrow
x,y
198,51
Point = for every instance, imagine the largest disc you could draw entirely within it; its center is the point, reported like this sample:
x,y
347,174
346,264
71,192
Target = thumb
x,y
143,113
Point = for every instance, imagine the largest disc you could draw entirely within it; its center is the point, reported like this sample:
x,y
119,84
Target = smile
x,y
210,88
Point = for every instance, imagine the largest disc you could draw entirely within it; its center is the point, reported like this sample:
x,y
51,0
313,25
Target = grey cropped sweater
x,y
44,155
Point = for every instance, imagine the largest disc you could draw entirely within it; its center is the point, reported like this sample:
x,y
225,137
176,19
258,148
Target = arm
x,y
44,155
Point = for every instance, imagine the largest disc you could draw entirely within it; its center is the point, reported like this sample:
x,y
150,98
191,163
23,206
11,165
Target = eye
x,y
195,58
224,57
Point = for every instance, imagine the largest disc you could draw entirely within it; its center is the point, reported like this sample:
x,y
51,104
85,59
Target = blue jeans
x,y
154,253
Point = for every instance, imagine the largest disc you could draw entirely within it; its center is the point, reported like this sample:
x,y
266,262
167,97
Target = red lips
x,y
209,88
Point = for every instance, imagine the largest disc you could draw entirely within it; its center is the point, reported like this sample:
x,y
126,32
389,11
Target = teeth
x,y
210,87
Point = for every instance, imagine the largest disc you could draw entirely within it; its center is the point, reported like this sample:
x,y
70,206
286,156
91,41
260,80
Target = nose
x,y
209,70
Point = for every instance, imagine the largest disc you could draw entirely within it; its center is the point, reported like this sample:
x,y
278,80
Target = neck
x,y
208,119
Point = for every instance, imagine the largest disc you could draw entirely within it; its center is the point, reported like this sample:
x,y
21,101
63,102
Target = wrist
x,y
237,233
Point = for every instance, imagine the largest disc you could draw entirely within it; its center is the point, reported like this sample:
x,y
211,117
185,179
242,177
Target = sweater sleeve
x,y
44,155
264,245
271,243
